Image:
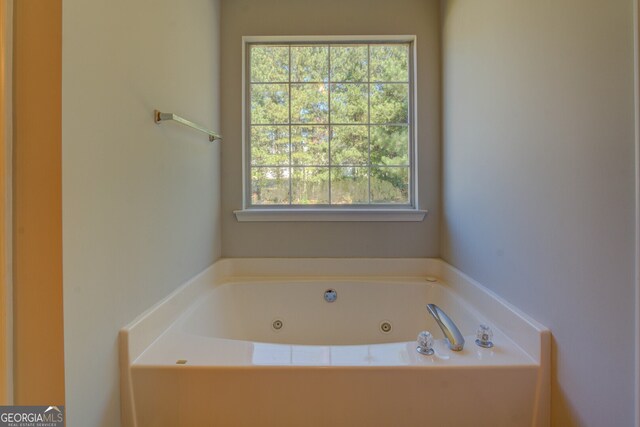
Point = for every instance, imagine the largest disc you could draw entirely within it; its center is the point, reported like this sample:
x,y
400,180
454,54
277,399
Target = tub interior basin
x,y
296,312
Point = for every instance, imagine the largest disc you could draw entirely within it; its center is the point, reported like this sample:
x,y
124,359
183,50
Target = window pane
x,y
310,186
269,104
390,63
329,123
390,185
390,145
349,145
349,103
309,103
349,63
389,103
269,186
269,145
310,145
269,63
349,185
309,63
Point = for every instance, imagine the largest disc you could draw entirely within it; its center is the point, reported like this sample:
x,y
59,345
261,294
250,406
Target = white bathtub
x,y
254,343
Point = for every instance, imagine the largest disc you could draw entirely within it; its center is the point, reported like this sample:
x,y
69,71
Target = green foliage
x,y
269,64
358,157
390,145
269,186
390,185
309,103
269,103
350,185
349,63
389,63
349,103
270,145
309,63
310,186
389,103
349,145
310,145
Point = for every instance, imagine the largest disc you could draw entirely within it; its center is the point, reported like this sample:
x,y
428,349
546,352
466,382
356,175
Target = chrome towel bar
x,y
159,117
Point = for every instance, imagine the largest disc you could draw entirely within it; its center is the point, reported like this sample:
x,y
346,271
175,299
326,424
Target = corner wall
x,y
140,200
538,191
332,17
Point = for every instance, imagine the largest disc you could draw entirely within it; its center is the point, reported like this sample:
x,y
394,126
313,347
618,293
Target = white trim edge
x,y
328,38
330,215
412,126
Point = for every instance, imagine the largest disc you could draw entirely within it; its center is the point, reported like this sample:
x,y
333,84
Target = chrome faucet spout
x,y
449,329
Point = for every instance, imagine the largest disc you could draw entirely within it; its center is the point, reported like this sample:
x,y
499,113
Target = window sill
x,y
330,215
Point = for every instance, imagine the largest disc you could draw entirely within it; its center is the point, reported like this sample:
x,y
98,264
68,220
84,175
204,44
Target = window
x,y
329,125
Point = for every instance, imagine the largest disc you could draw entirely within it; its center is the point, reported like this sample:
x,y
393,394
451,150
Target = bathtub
x,y
255,343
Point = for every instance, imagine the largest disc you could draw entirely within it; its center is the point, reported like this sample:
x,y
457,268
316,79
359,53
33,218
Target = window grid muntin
x,y
410,167
369,117
290,146
330,126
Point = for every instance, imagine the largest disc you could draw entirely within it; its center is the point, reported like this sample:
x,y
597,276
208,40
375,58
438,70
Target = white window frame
x,y
375,212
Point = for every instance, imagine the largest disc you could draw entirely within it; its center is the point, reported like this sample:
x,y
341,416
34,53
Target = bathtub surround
x,y
332,17
538,199
199,339
141,210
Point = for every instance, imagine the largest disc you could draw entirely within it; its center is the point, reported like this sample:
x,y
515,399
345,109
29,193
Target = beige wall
x,y
141,209
538,196
331,17
37,270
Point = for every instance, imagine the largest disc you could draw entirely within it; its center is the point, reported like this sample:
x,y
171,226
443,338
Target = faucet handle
x,y
484,336
425,343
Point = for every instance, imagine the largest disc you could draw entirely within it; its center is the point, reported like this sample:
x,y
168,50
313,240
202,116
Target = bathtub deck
x,y
201,351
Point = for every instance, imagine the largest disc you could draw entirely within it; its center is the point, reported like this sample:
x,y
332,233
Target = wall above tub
x,y
335,17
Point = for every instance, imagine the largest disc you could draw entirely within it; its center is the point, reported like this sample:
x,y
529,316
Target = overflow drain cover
x,y
330,295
